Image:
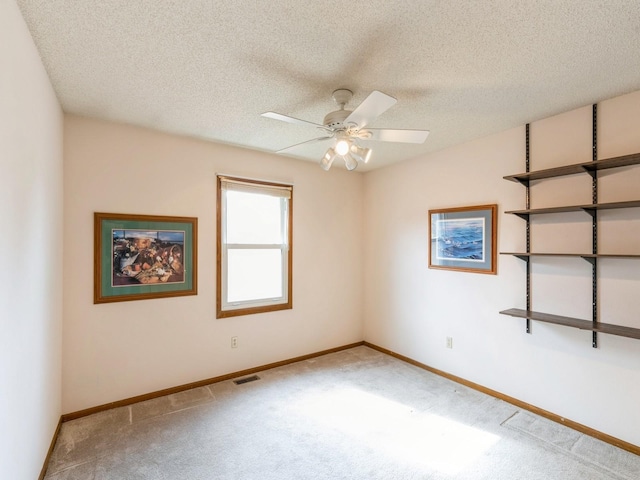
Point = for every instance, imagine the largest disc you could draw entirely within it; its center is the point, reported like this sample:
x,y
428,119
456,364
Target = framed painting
x,y
138,257
463,239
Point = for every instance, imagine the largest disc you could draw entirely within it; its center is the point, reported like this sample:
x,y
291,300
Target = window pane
x,y
254,274
253,218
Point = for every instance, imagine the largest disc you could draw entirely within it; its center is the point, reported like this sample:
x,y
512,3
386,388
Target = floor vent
x,y
252,378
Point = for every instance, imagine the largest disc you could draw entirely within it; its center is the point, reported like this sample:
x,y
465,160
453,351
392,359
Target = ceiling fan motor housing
x,y
334,120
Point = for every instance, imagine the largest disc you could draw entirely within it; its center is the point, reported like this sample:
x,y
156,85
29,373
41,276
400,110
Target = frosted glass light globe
x,y
342,147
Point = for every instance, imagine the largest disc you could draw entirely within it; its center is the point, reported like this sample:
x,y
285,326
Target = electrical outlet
x,y
449,342
234,342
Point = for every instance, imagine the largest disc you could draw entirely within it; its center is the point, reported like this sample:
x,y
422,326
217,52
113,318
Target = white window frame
x,y
225,308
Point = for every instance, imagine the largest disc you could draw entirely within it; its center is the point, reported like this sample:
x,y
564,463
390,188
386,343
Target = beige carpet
x,y
355,414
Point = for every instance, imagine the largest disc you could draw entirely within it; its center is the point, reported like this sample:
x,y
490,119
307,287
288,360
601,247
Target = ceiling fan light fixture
x,y
350,162
328,159
362,154
342,146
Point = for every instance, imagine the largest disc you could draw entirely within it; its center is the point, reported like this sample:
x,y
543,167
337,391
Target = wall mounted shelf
x,y
588,167
575,323
589,208
591,168
582,255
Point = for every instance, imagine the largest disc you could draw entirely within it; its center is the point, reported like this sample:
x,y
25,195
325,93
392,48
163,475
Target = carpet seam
x,y
591,432
568,452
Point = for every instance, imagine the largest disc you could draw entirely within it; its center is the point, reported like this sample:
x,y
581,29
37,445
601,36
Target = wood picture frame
x,y
139,257
464,239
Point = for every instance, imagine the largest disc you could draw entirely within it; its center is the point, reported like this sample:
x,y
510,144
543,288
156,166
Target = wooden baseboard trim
x,y
201,383
43,472
630,447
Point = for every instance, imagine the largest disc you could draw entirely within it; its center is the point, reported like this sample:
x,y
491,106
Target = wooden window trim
x,y
220,313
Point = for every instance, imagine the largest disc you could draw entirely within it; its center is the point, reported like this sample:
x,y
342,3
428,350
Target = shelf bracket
x,y
590,211
591,260
524,216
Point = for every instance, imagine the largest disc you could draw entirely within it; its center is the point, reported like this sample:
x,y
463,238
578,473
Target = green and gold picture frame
x,y
139,257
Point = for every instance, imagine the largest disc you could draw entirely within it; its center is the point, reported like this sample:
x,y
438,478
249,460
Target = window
x,y
253,246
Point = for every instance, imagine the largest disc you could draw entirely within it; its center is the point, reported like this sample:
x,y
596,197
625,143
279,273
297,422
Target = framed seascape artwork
x,y
463,239
138,257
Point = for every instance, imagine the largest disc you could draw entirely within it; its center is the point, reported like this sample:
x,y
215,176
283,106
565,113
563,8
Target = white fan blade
x,y
308,142
404,136
373,106
288,119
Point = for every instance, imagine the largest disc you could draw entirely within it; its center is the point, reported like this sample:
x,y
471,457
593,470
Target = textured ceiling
x,y
461,69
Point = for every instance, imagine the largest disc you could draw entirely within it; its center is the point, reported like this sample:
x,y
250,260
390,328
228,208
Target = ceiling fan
x,y
346,128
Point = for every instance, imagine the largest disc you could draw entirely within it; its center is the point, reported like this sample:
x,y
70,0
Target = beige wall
x,y
119,350
31,246
411,309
